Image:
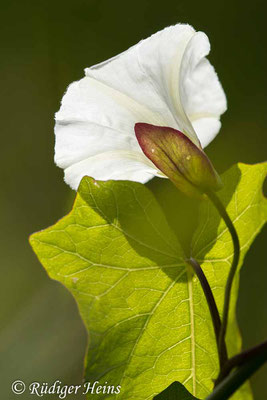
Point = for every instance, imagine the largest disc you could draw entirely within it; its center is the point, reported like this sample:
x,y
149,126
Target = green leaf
x,y
147,317
176,391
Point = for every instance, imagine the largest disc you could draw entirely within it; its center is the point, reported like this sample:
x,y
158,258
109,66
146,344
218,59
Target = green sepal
x,y
174,154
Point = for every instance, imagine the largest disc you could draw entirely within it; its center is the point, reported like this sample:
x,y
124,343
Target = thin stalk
x,y
240,359
213,309
222,211
233,381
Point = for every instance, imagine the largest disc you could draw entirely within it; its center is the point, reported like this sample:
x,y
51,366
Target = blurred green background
x,y
44,46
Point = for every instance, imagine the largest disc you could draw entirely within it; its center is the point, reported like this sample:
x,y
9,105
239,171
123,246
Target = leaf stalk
x,y
222,351
222,211
233,381
240,359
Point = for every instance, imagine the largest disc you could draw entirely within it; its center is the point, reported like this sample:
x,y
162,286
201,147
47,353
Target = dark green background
x,y
44,46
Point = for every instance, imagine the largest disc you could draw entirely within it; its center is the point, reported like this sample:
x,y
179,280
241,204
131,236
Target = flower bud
x,y
183,162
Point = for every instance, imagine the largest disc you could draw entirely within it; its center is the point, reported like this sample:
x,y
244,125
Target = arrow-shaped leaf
x,y
147,317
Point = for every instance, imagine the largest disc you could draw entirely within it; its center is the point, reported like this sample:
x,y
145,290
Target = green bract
x,y
147,317
174,154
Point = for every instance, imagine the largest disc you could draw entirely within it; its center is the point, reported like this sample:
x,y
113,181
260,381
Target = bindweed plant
x,y
160,318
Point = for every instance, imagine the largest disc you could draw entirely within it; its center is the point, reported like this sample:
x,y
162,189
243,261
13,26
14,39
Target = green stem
x,y
233,381
240,359
212,307
220,207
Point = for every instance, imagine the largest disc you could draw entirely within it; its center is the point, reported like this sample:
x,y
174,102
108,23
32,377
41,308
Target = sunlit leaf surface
x,y
146,315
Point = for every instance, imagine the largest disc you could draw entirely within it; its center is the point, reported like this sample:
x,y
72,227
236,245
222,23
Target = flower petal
x,y
149,73
201,93
117,165
158,81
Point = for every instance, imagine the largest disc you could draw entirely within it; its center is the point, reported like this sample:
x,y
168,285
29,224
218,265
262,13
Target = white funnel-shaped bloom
x,y
164,80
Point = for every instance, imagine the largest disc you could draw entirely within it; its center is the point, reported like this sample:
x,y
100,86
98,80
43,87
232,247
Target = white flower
x,y
164,80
